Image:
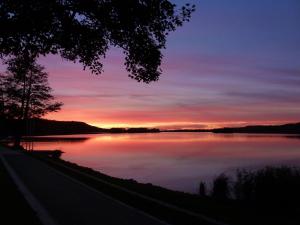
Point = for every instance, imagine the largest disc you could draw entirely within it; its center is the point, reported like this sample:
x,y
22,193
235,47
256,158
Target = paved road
x,y
69,202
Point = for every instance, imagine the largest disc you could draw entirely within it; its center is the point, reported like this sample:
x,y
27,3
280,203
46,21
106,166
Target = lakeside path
x,y
62,200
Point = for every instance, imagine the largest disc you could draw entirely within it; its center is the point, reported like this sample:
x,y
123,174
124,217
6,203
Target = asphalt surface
x,y
69,202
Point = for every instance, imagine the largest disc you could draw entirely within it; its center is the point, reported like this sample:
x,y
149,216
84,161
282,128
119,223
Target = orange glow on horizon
x,y
164,125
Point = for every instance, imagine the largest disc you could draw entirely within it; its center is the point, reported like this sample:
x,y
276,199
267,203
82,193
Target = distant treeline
x,y
187,130
272,129
36,127
293,128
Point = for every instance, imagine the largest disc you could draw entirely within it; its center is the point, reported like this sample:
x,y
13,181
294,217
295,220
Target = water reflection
x,y
175,160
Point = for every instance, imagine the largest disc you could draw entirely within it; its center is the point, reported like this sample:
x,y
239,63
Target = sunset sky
x,y
237,62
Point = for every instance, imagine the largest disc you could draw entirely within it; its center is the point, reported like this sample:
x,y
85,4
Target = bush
x,y
276,187
221,190
202,189
271,187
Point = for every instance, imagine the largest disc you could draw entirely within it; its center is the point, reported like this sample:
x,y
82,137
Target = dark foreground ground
x,y
14,209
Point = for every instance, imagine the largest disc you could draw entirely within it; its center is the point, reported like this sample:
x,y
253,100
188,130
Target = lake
x,y
177,161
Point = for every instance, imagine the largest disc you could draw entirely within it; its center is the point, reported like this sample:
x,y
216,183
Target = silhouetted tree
x,y
202,189
221,188
26,91
83,30
2,104
244,185
2,97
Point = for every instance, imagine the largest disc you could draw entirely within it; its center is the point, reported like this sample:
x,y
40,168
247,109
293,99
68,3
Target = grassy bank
x,y
228,210
14,208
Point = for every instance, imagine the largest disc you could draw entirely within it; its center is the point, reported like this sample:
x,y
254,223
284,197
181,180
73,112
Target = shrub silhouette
x,y
271,186
202,189
243,186
220,190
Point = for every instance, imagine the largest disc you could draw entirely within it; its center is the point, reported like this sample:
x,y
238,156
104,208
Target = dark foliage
x,y
268,188
25,94
221,189
132,130
83,30
271,186
142,130
25,90
202,189
275,129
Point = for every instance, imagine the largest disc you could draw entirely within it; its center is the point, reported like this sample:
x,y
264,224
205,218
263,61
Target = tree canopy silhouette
x,y
25,90
25,93
83,30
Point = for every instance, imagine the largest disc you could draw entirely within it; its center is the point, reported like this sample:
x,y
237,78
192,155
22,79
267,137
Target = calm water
x,y
175,160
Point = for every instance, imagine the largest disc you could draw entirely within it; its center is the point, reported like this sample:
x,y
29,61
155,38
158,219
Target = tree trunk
x,y
21,124
2,100
19,130
21,116
28,98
